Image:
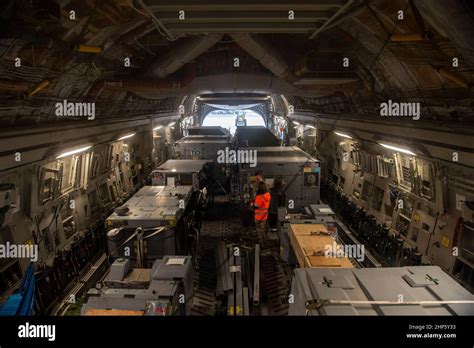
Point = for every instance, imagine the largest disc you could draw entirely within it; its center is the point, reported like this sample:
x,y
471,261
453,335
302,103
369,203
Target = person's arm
x,y
257,202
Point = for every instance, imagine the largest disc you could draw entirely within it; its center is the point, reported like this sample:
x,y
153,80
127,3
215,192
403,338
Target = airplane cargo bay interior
x,y
236,158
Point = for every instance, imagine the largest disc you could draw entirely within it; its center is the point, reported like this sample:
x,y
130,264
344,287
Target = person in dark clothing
x,y
167,151
208,183
277,194
287,139
258,177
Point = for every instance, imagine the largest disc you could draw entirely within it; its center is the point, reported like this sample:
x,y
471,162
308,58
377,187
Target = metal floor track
x,y
213,230
275,281
222,224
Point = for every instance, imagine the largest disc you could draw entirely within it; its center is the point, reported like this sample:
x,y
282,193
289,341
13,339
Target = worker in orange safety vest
x,y
261,205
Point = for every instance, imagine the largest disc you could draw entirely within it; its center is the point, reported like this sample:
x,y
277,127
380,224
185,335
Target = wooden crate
x,y
309,246
113,312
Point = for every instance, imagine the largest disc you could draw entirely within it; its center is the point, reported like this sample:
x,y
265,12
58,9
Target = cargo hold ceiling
x,y
143,57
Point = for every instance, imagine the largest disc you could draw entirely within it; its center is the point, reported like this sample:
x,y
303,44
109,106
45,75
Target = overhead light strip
x,y
127,136
74,152
344,135
399,149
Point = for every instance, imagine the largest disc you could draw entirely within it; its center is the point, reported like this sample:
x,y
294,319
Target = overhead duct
x,y
136,33
208,84
177,57
244,83
263,51
185,51
148,86
220,83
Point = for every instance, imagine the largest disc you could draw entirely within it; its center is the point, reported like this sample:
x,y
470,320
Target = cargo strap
x,y
316,304
320,233
319,252
156,231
